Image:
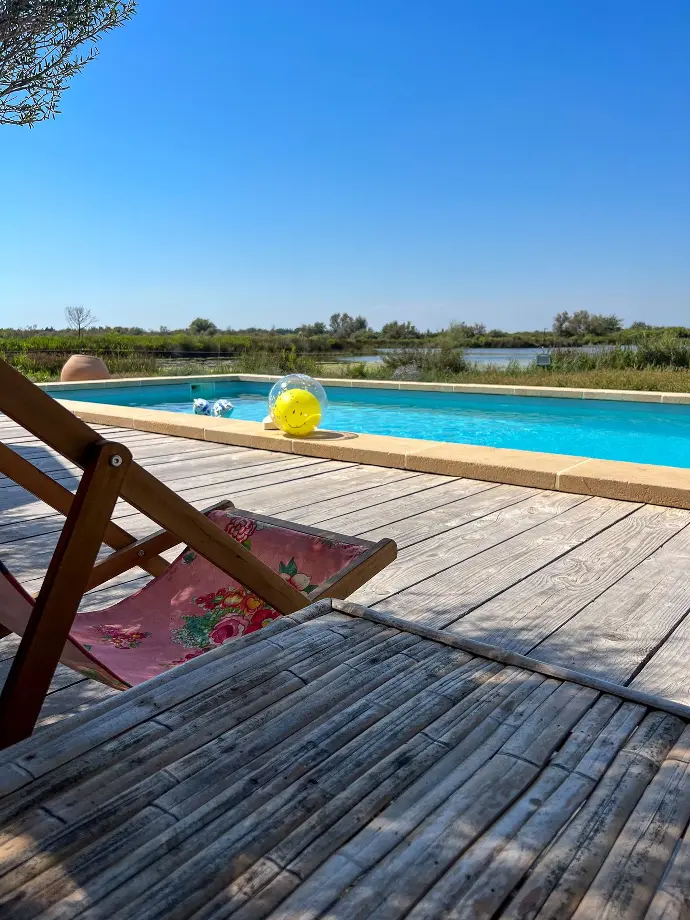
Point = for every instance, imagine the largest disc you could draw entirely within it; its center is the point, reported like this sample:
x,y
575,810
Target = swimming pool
x,y
610,430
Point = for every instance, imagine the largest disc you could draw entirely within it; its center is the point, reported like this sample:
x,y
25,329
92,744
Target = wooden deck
x,y
597,585
331,767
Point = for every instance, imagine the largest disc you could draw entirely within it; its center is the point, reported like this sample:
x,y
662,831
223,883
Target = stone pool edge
x,y
646,396
617,479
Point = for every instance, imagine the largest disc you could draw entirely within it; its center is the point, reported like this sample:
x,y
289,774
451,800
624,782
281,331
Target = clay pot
x,y
84,367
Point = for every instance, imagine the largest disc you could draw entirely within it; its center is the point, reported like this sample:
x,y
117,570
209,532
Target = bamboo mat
x,y
336,766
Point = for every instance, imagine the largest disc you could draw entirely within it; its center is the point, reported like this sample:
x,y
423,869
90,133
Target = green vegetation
x,y
639,357
44,44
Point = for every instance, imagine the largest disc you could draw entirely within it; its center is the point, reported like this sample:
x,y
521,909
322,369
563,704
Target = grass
x,y
658,363
669,380
657,379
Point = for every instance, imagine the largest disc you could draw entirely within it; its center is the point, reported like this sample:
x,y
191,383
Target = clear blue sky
x,y
274,161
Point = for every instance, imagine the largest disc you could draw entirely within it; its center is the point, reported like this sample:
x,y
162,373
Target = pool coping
x,y
646,396
616,479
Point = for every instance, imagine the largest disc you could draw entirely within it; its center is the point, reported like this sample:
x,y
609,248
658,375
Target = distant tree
x,y
460,332
396,330
497,333
579,322
604,324
560,324
43,44
582,322
345,326
79,318
310,329
639,326
201,326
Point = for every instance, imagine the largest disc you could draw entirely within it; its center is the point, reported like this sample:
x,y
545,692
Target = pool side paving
x,y
645,396
660,485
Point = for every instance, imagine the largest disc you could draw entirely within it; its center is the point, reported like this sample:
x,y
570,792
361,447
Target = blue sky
x,y
272,162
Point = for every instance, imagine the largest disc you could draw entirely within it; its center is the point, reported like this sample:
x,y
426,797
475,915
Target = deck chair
x,y
238,570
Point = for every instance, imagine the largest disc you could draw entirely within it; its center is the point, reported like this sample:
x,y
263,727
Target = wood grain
x,y
449,596
619,631
421,560
396,502
539,604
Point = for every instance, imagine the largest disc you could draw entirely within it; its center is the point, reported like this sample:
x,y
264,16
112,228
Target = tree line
x,y
343,331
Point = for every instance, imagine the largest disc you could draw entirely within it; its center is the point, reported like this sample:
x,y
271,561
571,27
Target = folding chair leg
x,y
58,601
138,552
32,479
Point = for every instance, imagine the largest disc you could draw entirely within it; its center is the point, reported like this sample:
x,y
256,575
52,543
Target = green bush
x,y
289,361
426,363
667,350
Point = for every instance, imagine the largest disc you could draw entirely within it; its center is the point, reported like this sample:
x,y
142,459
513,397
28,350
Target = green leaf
x,y
247,543
195,632
310,588
291,567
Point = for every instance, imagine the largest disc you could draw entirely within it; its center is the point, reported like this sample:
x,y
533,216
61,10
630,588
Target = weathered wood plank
x,y
17,503
446,599
392,505
345,481
437,521
431,556
539,604
73,699
666,673
616,633
153,451
64,677
26,568
184,482
181,469
245,480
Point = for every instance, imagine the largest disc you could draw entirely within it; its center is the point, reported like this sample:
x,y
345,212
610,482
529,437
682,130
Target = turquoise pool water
x,y
610,430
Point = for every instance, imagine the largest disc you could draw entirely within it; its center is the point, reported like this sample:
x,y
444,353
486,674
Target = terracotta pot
x,y
84,367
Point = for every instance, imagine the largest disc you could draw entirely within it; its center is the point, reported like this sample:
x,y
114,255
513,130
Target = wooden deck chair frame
x,y
110,473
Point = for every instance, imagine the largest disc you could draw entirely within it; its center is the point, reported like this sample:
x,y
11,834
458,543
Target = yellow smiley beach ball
x,y
297,412
297,404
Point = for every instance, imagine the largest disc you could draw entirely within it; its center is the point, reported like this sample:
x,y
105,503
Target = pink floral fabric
x,y
194,607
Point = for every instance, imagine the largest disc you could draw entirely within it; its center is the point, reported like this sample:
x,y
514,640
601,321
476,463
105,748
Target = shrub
x,y
665,350
289,361
432,363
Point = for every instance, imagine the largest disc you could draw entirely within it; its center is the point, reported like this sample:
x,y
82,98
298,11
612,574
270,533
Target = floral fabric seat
x,y
193,606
